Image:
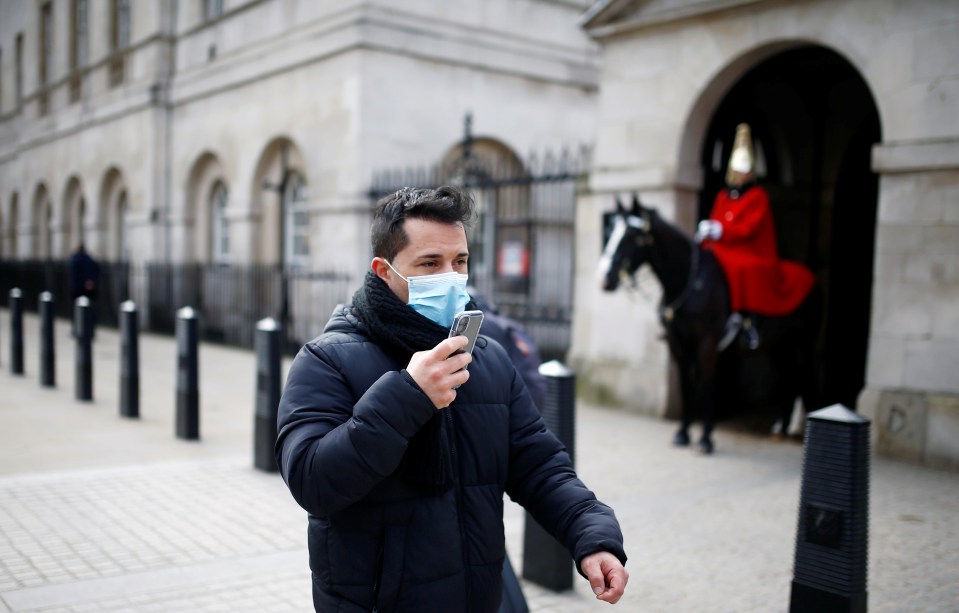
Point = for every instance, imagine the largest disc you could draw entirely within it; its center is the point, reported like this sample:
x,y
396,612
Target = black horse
x,y
694,309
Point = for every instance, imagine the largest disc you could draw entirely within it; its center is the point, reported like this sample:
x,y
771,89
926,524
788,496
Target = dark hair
x,y
444,204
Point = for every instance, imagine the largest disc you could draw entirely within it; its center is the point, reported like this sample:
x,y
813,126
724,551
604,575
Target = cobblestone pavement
x,y
102,513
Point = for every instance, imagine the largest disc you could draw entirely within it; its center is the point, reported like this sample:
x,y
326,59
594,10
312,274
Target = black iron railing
x,y
229,299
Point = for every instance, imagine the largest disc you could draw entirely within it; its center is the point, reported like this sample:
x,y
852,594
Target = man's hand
x,y
437,371
606,575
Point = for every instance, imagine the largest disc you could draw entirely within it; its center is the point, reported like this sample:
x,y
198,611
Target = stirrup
x,y
733,325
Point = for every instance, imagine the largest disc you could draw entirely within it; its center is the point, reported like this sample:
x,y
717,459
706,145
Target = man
x,y
84,274
741,233
400,448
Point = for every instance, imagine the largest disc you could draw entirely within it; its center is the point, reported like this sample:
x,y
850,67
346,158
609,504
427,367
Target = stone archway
x,y
280,203
72,213
42,220
112,217
205,176
12,230
503,223
815,120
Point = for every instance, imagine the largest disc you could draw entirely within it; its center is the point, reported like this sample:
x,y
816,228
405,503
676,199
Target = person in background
x,y
400,448
741,233
517,341
84,274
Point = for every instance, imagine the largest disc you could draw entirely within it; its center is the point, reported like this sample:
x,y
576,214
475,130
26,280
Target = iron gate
x,y
522,242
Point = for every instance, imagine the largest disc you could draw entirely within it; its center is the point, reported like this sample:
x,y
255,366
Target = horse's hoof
x,y
705,447
681,439
778,436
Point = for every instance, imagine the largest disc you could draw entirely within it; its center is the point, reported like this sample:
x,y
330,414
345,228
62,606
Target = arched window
x,y
42,218
123,234
47,241
296,222
12,220
81,220
501,236
119,38
219,225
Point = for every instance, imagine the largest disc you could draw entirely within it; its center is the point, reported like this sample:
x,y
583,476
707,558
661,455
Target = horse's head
x,y
626,249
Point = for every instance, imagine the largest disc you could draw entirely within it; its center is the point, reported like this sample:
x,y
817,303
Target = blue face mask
x,y
437,297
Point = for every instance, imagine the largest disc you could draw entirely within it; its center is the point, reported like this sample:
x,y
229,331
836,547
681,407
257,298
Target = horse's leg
x,y
797,381
783,393
705,444
686,394
707,363
783,407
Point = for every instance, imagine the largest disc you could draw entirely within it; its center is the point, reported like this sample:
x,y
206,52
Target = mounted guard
x,y
741,233
694,308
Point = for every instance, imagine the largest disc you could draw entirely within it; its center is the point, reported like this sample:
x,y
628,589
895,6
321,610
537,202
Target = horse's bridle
x,y
666,312
642,238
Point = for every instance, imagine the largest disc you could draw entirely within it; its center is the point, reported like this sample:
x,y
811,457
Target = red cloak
x,y
759,282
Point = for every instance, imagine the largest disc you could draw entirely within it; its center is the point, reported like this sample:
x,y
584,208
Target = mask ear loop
x,y
394,270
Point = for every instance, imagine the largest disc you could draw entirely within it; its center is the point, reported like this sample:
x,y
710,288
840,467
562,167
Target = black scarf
x,y
401,332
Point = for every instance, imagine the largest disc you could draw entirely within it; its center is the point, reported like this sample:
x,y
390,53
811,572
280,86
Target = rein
x,y
668,312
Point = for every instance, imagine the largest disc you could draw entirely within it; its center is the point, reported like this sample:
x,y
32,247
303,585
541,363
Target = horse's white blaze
x,y
615,238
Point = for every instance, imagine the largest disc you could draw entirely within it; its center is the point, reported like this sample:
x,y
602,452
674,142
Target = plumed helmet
x,y
742,161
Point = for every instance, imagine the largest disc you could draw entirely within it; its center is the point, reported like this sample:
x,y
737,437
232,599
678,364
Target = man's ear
x,y
380,269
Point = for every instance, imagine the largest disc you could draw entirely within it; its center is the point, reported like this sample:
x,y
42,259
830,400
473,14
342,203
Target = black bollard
x,y
545,560
832,537
129,361
267,393
187,376
83,330
48,371
16,331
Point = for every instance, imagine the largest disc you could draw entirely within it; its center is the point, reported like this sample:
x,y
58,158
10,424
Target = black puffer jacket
x,y
346,417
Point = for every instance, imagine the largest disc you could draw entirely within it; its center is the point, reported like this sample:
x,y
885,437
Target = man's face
x,y
738,179
433,248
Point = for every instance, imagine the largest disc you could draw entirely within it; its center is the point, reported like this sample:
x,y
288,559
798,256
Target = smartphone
x,y
467,323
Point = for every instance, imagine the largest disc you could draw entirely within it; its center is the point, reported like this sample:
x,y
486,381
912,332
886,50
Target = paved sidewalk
x,y
101,513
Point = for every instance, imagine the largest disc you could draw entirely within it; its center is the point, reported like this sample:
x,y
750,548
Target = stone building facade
x,y
247,131
856,105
